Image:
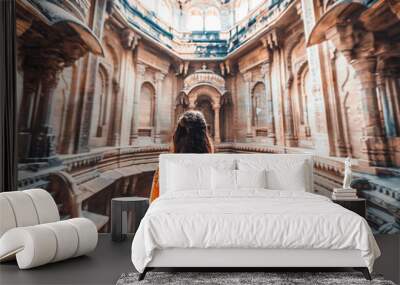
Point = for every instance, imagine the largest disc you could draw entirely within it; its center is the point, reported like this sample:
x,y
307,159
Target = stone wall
x,y
314,76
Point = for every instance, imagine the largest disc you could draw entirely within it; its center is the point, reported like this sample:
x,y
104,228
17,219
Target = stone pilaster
x,y
374,144
290,139
43,138
116,127
140,71
125,102
217,136
266,73
387,110
335,105
320,124
388,89
157,110
88,81
249,132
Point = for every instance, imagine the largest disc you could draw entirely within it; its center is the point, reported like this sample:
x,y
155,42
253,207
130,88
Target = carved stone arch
x,y
300,70
207,90
204,77
65,191
112,46
150,83
254,84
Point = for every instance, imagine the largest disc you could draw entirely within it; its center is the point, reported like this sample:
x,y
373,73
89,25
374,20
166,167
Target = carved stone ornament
x,y
129,39
204,77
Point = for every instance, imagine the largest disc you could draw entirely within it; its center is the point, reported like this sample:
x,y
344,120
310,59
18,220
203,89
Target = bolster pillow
x,y
40,244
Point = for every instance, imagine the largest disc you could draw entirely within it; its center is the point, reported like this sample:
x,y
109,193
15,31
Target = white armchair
x,y
31,230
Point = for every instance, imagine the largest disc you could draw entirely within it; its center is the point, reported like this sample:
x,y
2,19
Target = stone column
x,y
126,82
374,145
249,133
43,138
387,110
26,113
289,134
217,138
159,81
266,72
140,70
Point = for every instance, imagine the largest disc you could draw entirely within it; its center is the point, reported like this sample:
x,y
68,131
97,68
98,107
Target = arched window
x,y
195,20
242,9
259,106
212,21
101,108
306,100
101,90
146,116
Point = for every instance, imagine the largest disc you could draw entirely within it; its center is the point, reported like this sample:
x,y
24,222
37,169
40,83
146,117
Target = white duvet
x,y
254,218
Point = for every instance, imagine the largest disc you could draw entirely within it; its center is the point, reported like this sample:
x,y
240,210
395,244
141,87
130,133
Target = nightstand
x,y
119,208
356,205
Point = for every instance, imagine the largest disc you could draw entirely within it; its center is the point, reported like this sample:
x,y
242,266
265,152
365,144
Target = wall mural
x,y
102,83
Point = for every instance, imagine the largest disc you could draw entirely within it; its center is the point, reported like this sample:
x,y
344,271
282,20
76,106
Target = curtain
x,y
8,155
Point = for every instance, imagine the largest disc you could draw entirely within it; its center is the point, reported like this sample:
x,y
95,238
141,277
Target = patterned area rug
x,y
242,278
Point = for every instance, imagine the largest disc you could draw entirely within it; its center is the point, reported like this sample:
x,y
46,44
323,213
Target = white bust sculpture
x,y
348,175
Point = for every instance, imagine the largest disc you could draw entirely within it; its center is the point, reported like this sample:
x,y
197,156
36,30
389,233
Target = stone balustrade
x,y
201,44
109,167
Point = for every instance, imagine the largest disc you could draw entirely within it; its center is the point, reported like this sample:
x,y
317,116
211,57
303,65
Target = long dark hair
x,y
191,135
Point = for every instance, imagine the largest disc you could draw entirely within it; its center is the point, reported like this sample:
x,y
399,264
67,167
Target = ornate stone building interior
x,y
102,82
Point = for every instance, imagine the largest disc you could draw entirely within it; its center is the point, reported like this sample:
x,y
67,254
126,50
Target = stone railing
x,y
257,21
199,44
110,168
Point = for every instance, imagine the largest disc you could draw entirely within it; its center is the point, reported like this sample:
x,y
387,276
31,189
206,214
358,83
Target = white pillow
x,y
292,179
251,178
181,177
223,179
282,173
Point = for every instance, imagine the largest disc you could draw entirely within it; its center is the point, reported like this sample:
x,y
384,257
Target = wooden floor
x,y
111,259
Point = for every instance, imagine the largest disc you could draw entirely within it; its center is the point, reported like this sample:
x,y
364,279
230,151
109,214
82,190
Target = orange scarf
x,y
155,187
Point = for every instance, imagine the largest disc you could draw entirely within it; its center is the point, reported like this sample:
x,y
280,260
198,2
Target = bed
x,y
247,210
